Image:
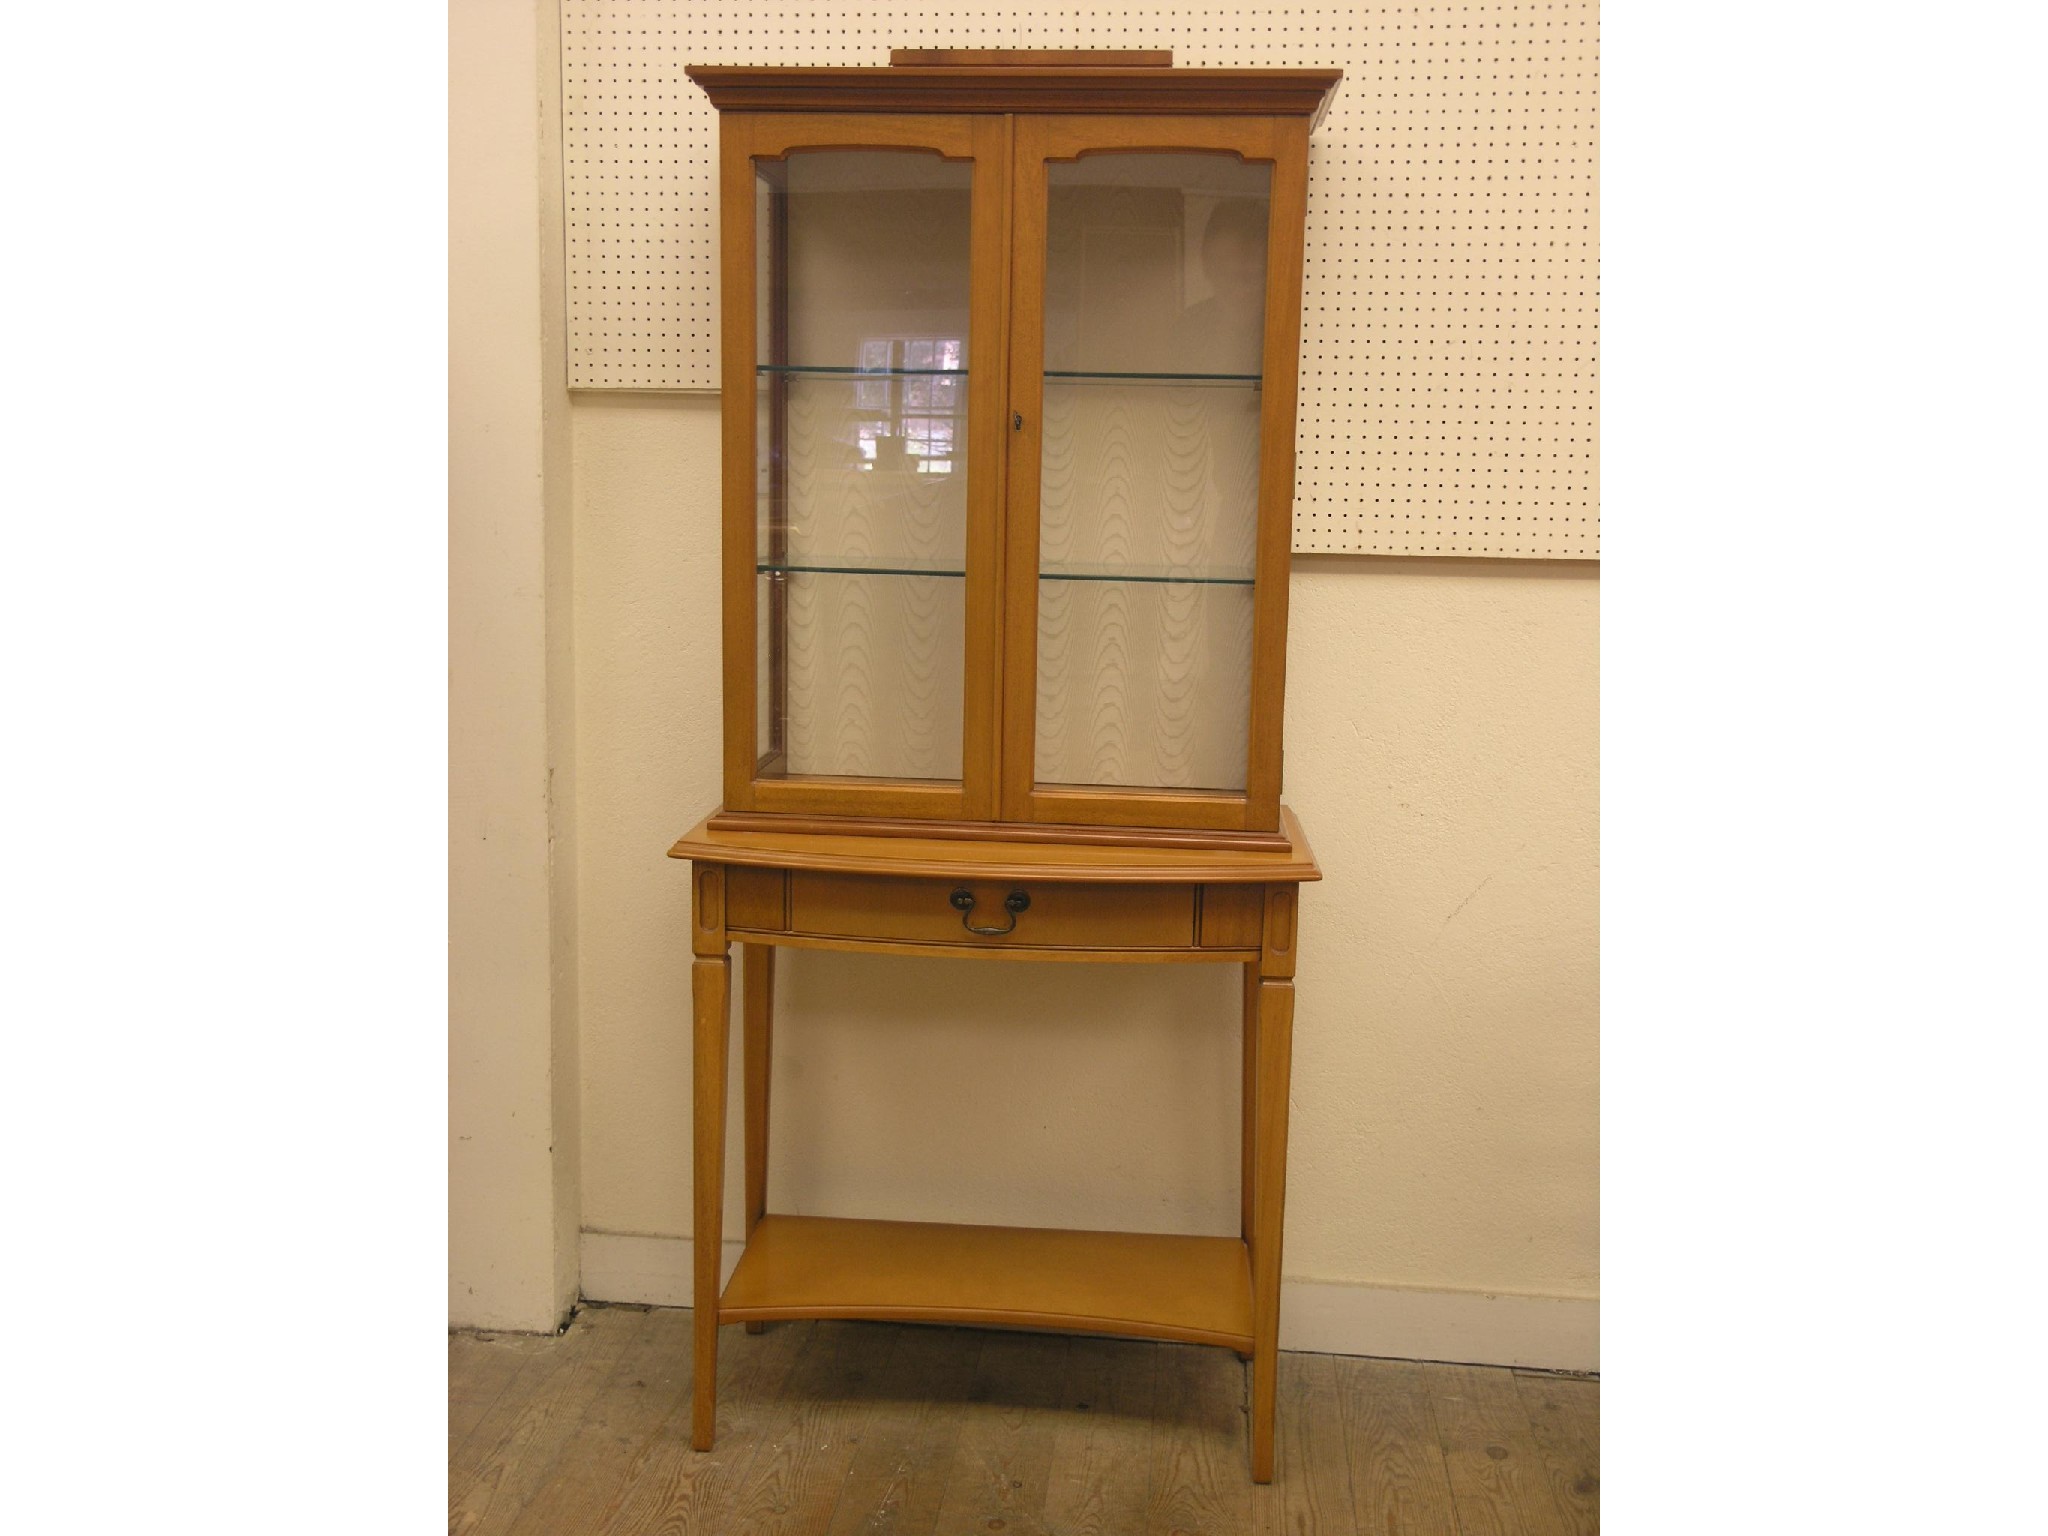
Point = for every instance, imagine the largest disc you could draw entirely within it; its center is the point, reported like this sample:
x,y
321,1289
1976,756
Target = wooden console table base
x,y
1091,902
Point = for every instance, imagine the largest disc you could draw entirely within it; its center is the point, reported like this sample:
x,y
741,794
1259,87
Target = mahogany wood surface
x,y
1010,113
1302,93
1111,872
744,139
711,986
737,282
999,831
1143,1284
757,1022
1124,905
1041,141
759,898
1285,236
967,949
1282,913
1060,915
1232,917
946,858
988,444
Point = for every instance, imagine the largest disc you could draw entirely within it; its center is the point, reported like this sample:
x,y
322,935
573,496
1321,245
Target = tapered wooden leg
x,y
1275,1008
1248,1104
757,1036
710,988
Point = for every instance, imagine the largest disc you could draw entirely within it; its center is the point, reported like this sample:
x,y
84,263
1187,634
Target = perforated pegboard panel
x,y
1450,318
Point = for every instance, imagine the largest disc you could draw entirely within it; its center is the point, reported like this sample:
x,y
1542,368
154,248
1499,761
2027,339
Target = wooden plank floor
x,y
880,1429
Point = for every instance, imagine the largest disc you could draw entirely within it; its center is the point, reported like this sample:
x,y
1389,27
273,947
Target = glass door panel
x,y
862,295
1155,291
1144,682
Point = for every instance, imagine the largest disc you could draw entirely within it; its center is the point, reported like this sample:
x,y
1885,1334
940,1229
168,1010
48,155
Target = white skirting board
x,y
1555,1333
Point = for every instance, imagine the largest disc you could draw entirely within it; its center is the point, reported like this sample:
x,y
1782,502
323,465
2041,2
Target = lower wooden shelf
x,y
1149,1285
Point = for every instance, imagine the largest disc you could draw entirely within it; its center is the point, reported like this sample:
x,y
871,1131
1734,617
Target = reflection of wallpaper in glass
x,y
876,675
1156,263
856,492
1155,266
863,469
878,247
1149,475
1145,684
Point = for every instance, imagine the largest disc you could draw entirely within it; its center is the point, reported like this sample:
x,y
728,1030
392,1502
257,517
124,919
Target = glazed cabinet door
x,y
863,255
1155,319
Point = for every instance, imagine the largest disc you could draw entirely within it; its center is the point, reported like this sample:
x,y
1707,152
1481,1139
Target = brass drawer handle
x,y
1013,903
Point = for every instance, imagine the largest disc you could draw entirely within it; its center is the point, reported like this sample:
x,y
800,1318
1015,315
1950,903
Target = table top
x,y
1003,859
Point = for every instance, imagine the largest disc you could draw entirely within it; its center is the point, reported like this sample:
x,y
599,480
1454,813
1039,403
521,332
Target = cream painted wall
x,y
1441,750
513,1145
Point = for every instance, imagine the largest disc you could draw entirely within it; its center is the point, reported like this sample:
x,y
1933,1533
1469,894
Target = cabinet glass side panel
x,y
863,284
1149,469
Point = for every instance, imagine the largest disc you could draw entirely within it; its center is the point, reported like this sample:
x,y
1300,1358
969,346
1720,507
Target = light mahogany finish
x,y
751,88
1193,1289
710,988
758,899
999,831
1055,871
1061,916
1011,115
1094,902
1232,917
946,858
743,139
1041,141
757,971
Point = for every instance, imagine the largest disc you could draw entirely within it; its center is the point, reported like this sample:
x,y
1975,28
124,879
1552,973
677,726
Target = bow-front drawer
x,y
987,914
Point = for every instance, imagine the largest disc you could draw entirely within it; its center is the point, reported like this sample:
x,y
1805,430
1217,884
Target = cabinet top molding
x,y
979,88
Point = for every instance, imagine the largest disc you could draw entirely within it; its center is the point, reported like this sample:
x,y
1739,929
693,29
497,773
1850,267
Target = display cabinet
x,y
1008,391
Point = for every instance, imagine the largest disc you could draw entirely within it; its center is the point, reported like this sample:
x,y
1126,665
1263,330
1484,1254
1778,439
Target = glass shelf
x,y
862,373
855,565
1204,576
1190,575
1063,376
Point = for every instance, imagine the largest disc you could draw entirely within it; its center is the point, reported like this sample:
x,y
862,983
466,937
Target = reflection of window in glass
x,y
914,407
